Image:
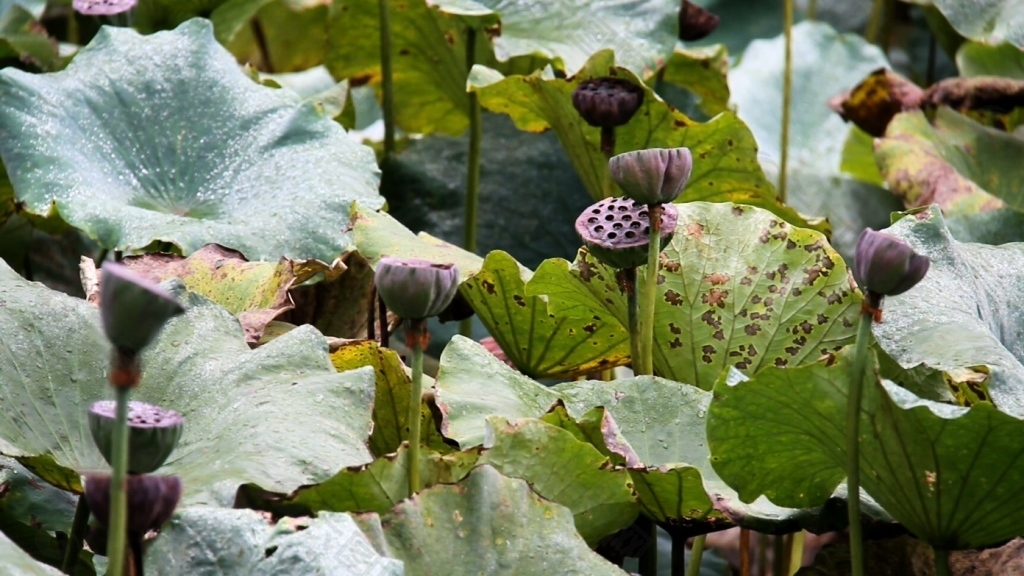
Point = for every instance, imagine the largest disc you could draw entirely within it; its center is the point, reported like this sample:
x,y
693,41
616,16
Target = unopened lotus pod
x,y
607,102
153,433
416,289
617,231
885,265
133,309
151,500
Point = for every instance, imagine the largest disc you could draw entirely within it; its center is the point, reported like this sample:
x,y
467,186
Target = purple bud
x,y
103,7
151,500
416,289
607,102
653,176
133,309
887,266
617,231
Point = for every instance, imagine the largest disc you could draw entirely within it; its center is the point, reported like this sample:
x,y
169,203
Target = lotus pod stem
x,y
118,527
387,79
417,337
696,555
644,365
853,444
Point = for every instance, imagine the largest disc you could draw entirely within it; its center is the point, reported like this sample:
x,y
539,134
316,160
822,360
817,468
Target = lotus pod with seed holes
x,y
695,22
617,231
132,308
607,102
887,266
151,500
153,432
416,289
653,176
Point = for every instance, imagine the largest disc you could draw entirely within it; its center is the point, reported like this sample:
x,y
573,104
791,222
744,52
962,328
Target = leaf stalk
x,y
387,79
853,442
416,339
118,530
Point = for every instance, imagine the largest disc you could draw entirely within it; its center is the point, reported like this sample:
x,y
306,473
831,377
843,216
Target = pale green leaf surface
x,y
115,143
976,59
988,21
486,524
221,542
236,401
965,314
14,560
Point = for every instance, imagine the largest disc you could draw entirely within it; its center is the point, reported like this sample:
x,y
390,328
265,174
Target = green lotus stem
x,y
473,168
696,554
875,24
627,283
117,533
796,552
75,539
812,10
860,355
416,342
787,97
387,79
644,364
941,562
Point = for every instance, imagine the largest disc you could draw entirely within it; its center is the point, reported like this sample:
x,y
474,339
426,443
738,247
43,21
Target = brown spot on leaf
x,y
674,329
715,298
781,362
746,281
717,279
737,211
519,300
752,329
806,327
586,270
822,319
488,286
676,343
590,328
792,350
673,298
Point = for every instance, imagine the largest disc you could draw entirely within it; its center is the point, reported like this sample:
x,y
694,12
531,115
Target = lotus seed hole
x,y
599,228
647,230
623,208
630,234
617,226
595,211
591,220
634,225
643,214
609,217
626,217
612,235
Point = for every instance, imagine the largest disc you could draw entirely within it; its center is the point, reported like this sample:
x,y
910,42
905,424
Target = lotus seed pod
x,y
607,102
653,176
153,432
887,266
151,500
416,289
132,308
695,22
617,231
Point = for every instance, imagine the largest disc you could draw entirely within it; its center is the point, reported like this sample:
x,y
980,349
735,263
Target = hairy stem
x,y
417,341
387,79
644,365
787,96
627,284
941,562
696,554
853,443
118,530
78,528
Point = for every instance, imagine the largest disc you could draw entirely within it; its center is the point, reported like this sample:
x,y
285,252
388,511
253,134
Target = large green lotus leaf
x,y
987,21
34,7
239,404
973,334
221,542
703,72
258,292
539,342
380,485
565,470
725,167
528,213
947,473
653,426
37,516
976,59
115,143
485,524
377,235
14,560
738,287
825,63
955,162
429,45
227,16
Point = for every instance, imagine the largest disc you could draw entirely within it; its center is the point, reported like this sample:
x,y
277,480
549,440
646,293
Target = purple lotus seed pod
x,y
103,7
617,231
153,433
416,289
607,102
887,266
654,176
695,22
133,309
151,500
